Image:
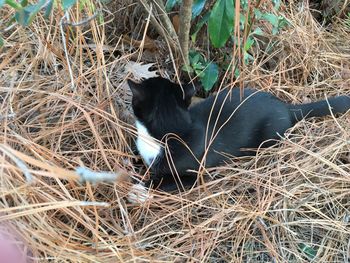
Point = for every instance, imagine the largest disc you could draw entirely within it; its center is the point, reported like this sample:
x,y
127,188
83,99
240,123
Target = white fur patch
x,y
138,194
147,146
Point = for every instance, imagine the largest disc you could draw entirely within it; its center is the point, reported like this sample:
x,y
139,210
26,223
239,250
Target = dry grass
x,y
291,203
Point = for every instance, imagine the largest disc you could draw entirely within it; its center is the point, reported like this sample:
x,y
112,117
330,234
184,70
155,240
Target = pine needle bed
x,y
290,203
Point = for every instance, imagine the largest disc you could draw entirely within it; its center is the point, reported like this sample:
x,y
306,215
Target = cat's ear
x,y
189,90
137,90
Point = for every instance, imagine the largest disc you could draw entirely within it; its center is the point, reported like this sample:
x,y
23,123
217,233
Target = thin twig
x,y
21,165
84,21
165,19
62,21
9,27
158,26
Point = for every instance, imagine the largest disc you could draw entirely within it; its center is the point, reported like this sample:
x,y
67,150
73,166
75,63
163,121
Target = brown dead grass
x,y
288,201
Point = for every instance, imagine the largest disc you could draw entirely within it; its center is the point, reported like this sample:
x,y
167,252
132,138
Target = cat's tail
x,y
321,108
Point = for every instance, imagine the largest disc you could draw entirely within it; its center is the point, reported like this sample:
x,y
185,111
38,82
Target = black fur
x,y
163,107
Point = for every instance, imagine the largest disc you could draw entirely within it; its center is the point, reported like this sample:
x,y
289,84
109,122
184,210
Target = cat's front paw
x,y
139,194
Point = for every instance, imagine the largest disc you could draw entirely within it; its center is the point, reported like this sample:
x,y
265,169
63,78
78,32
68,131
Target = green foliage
x,y
221,22
208,72
347,20
197,7
13,4
199,26
49,9
66,4
25,13
209,76
222,16
169,5
24,2
308,250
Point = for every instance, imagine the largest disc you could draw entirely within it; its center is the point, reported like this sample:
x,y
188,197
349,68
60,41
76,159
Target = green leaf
x,y
308,250
199,26
100,19
13,4
2,2
170,4
88,4
22,17
237,73
209,76
273,19
249,42
26,15
276,4
24,3
66,4
197,7
221,22
197,61
257,31
244,5
275,30
247,57
242,20
1,42
194,57
187,69
257,14
282,22
49,9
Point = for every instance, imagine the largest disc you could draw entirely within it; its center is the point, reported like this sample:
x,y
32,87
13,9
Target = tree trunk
x,y
185,26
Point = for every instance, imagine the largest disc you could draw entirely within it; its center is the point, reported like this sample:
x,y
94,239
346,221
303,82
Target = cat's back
x,y
228,100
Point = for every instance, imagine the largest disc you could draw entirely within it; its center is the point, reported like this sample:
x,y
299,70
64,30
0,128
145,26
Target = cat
x,y
174,137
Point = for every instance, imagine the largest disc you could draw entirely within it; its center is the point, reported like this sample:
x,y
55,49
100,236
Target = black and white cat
x,y
173,138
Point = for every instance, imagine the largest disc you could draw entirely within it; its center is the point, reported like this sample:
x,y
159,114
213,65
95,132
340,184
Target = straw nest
x,y
290,203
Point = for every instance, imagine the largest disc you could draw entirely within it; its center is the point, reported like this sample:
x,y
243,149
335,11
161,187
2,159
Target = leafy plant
x,y
207,71
347,20
220,20
25,13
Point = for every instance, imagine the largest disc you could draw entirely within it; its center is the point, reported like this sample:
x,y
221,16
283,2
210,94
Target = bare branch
x,y
184,30
84,21
65,19
163,16
172,42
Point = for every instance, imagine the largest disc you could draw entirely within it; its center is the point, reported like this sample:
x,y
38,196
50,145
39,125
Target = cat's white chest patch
x,y
147,146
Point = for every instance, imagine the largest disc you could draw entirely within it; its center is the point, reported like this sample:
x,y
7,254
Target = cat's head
x,y
161,104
